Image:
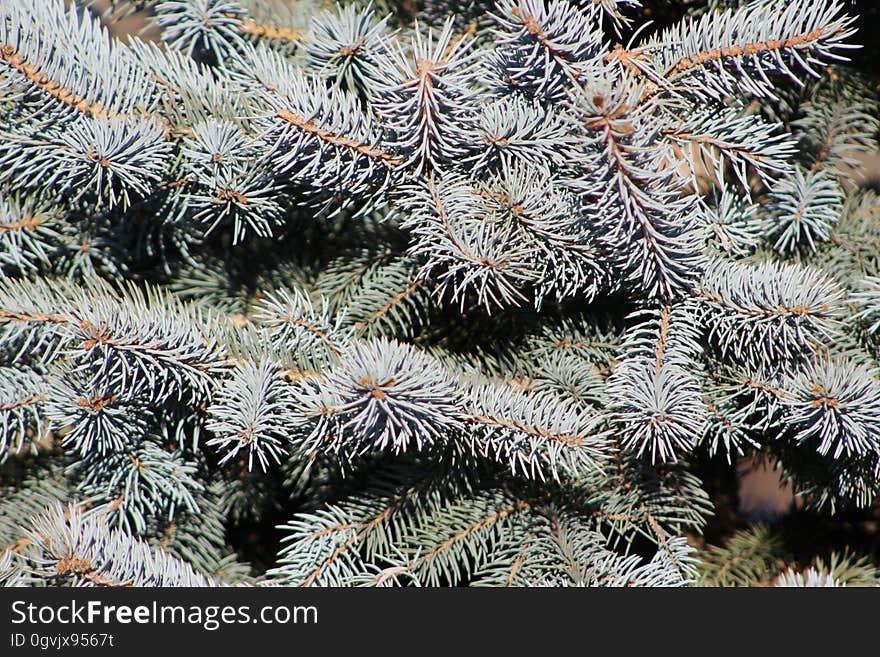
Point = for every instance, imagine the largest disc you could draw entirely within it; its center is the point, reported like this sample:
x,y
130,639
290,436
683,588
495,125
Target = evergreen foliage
x,y
437,293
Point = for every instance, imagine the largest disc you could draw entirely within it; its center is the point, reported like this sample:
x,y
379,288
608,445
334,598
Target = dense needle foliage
x,y
450,292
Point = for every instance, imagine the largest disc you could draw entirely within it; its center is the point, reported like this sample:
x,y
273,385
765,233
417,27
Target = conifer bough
x,y
470,292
